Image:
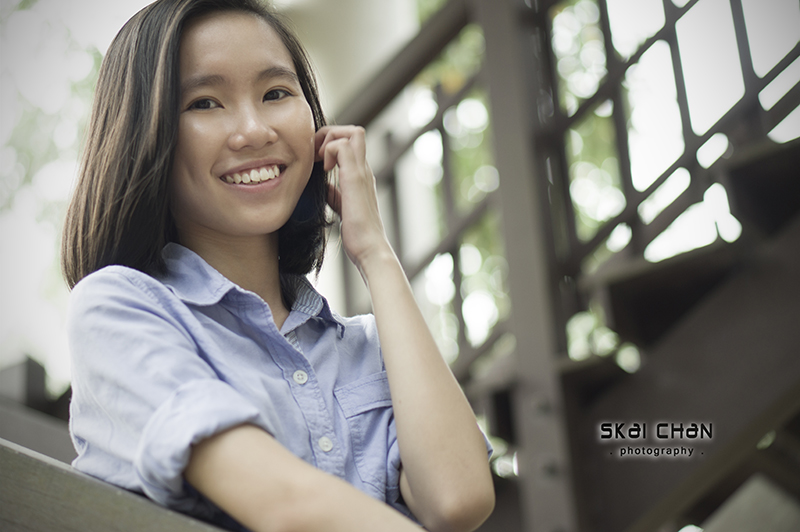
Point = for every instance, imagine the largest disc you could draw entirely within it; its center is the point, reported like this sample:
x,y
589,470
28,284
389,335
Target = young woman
x,y
207,373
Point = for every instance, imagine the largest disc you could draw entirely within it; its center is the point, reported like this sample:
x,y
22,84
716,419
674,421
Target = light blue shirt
x,y
160,364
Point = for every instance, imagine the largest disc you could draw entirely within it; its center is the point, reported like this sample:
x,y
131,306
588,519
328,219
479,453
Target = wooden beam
x,y
434,35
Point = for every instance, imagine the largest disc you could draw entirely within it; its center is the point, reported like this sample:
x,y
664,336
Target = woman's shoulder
x,y
360,333
361,323
117,297
115,282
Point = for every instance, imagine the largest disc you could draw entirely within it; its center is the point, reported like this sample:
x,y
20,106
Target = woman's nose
x,y
252,129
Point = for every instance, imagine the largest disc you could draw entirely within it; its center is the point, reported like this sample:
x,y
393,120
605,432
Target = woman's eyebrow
x,y
278,72
195,82
206,80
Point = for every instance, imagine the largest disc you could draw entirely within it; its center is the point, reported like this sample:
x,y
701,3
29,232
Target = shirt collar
x,y
191,278
194,281
310,303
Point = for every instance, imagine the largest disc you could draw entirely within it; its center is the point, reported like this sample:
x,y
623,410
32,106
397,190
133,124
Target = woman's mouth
x,y
254,176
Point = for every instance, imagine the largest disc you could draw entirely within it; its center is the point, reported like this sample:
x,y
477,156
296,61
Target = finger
x,y
326,134
340,131
330,153
339,151
319,138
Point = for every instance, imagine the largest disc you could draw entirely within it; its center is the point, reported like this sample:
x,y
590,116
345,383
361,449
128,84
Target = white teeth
x,y
257,175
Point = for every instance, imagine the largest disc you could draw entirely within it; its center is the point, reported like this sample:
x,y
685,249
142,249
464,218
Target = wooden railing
x,y
40,494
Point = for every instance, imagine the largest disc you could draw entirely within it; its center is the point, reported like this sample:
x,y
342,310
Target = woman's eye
x,y
276,94
203,104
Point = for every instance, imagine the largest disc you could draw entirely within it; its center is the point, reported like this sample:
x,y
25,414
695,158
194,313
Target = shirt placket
x,y
307,392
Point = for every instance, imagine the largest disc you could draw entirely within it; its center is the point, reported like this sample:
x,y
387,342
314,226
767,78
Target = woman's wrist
x,y
377,261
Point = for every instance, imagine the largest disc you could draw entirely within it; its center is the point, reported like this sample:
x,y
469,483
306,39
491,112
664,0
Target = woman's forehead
x,y
218,39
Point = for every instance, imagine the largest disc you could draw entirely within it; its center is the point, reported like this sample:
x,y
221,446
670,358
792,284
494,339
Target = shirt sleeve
x,y
142,392
393,496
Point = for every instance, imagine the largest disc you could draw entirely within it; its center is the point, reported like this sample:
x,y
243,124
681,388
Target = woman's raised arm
x,y
446,480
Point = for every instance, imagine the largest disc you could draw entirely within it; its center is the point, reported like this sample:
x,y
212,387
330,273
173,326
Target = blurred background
x,y
596,202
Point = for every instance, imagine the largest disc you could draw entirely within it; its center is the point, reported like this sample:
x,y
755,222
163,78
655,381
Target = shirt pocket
x,y
367,406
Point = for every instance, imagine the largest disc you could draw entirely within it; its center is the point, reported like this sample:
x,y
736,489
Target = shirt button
x,y
300,376
325,444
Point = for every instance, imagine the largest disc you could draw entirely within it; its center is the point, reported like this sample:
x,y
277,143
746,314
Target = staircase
x,y
717,328
731,360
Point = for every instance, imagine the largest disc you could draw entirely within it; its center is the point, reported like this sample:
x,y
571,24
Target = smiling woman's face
x,y
246,132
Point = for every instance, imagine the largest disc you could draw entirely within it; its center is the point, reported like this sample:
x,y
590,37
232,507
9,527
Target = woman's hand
x,y
355,200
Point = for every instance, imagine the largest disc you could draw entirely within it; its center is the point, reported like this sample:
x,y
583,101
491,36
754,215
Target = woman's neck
x,y
250,262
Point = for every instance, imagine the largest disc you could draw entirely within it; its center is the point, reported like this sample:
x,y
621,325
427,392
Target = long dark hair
x,y
120,209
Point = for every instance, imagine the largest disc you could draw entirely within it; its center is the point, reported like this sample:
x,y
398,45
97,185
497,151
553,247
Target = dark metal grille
x,y
565,190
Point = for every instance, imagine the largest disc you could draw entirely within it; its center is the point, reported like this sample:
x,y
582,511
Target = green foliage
x,y
33,136
578,46
595,186
468,153
459,61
